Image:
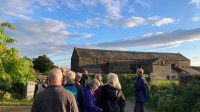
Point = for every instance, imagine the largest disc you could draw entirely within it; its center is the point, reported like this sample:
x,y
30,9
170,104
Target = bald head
x,y
140,72
70,77
55,76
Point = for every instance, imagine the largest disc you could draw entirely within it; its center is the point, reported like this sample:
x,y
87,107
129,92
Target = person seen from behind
x,y
55,98
42,86
141,91
96,92
77,91
111,95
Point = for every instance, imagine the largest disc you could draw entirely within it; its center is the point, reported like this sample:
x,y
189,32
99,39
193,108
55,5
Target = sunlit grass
x,y
165,82
15,102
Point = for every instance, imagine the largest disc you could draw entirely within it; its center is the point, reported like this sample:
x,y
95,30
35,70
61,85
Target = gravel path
x,y
130,107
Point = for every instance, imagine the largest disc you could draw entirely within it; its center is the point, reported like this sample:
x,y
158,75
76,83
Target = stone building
x,y
158,65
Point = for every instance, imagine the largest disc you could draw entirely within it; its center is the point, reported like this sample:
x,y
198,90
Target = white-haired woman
x,y
111,95
90,98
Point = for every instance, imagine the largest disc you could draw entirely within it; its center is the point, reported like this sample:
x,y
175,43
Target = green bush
x,y
175,98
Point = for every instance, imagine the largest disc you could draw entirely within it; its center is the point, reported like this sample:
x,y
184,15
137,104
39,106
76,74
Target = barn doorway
x,y
172,66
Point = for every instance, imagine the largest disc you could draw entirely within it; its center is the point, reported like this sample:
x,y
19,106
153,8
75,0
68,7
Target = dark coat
x,y
141,89
90,100
85,80
79,96
112,99
54,99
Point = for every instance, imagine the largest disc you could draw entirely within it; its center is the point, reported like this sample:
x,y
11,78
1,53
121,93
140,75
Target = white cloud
x,y
195,2
172,45
47,4
151,34
133,22
89,2
124,22
88,23
44,36
127,23
195,19
76,35
143,3
113,7
159,39
15,7
157,21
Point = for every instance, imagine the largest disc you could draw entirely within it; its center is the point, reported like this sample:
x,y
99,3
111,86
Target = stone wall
x,y
111,65
162,70
184,64
180,64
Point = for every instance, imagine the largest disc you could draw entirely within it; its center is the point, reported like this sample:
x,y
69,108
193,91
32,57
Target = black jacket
x,y
111,99
85,80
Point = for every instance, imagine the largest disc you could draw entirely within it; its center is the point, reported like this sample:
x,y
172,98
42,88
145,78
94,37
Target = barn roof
x,y
127,55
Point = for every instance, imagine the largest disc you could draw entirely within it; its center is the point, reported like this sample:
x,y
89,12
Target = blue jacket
x,y
78,94
141,90
90,100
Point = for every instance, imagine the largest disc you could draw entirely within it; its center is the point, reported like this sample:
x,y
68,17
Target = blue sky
x,y
55,27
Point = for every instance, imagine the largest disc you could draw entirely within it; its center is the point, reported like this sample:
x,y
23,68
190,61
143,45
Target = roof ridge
x,y
127,51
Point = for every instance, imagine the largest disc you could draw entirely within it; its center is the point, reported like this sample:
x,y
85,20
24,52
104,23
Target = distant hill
x,y
196,68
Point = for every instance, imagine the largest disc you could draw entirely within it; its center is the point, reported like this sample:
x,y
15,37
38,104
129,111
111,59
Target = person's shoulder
x,y
144,80
69,94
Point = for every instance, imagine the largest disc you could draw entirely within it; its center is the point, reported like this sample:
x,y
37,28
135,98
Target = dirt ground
x,y
129,108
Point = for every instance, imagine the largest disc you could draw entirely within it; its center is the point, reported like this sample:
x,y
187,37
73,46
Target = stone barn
x,y
159,65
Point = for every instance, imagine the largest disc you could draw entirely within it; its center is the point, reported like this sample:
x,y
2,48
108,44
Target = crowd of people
x,y
67,91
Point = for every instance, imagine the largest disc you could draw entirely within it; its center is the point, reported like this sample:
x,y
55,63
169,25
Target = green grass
x,y
165,82
15,102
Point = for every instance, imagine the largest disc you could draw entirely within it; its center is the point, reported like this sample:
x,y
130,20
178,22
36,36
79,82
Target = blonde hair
x,y
64,69
113,80
97,76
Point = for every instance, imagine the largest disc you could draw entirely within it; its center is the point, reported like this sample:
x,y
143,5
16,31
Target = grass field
x,y
15,102
165,82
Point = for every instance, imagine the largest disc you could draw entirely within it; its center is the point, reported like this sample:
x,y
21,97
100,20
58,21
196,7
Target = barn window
x,y
173,77
168,77
162,62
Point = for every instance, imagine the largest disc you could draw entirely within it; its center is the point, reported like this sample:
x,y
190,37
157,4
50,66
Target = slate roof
x,y
127,55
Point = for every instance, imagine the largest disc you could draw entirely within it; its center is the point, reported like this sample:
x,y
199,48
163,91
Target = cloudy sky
x,y
55,27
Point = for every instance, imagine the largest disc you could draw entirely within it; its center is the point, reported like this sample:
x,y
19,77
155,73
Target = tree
x,y
13,69
43,64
